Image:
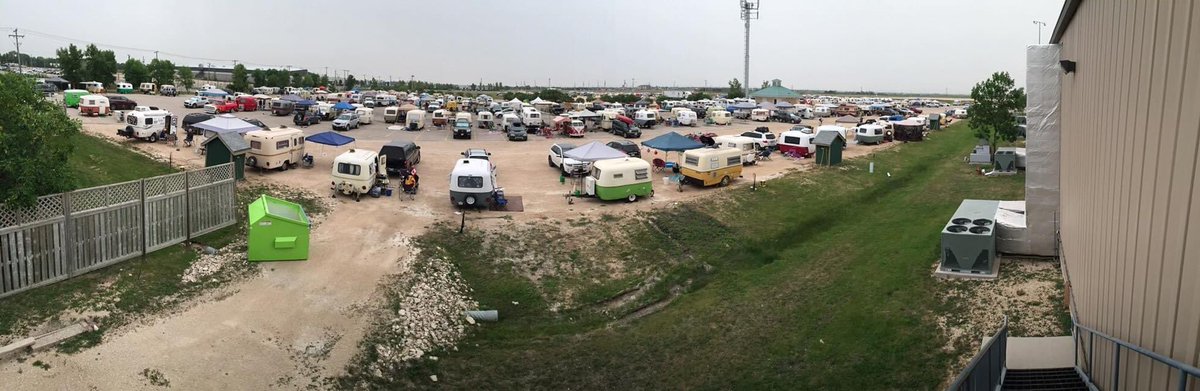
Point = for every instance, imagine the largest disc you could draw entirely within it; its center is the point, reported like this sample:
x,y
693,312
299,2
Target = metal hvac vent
x,y
969,242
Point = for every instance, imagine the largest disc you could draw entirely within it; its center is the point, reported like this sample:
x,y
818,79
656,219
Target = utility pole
x,y
1040,24
749,12
16,36
156,56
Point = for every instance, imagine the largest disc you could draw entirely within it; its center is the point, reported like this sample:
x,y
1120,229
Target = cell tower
x,y
749,12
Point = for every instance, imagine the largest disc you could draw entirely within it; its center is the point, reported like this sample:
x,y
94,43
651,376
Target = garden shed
x,y
277,230
829,147
227,146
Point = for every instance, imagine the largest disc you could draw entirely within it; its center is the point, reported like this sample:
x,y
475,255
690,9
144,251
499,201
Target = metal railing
x,y
986,370
1088,371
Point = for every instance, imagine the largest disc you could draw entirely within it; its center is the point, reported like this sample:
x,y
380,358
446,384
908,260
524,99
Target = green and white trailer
x,y
71,97
615,179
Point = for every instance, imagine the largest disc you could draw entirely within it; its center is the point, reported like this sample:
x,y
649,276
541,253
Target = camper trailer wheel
x,y
153,137
724,181
470,200
631,198
285,166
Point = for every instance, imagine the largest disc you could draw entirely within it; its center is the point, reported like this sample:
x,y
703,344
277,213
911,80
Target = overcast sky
x,y
882,45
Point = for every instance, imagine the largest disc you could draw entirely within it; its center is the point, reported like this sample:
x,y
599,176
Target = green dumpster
x,y
278,231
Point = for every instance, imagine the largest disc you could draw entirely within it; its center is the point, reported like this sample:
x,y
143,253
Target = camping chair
x,y
659,164
764,154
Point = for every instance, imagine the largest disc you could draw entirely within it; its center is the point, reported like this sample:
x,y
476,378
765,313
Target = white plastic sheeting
x,y
1011,233
1043,86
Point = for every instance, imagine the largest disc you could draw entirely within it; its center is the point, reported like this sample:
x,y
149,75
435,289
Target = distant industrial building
x,y
226,74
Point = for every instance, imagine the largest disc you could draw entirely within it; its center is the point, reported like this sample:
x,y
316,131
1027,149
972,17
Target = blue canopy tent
x,y
330,138
784,105
671,142
305,103
214,93
343,106
291,97
745,106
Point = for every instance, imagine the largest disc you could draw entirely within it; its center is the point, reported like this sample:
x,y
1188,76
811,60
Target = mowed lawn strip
x,y
818,280
97,162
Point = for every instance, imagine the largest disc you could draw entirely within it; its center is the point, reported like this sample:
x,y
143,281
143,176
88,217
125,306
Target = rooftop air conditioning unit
x,y
969,240
982,154
1006,160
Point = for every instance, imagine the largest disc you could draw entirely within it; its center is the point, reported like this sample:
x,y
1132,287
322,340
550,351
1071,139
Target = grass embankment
x,y
123,292
818,280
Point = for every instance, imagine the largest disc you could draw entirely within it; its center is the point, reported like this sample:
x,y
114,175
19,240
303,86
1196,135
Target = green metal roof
x,y
775,92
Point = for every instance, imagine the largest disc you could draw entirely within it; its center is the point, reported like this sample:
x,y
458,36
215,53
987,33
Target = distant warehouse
x,y
226,74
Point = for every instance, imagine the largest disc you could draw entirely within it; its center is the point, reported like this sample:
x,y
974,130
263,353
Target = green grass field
x,y
98,162
819,280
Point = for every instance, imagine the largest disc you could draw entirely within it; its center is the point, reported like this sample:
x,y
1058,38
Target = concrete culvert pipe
x,y
485,316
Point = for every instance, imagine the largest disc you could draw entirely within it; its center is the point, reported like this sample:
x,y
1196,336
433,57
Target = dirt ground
x,y
300,320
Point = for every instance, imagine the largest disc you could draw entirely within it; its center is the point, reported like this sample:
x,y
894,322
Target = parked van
x,y
275,148
391,114
616,179
711,166
356,171
167,90
796,143
721,117
148,88
414,120
365,115
471,183
146,125
96,105
747,145
124,88
94,87
401,155
760,115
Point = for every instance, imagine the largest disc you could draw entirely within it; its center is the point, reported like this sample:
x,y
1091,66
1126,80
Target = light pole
x,y
1040,24
749,12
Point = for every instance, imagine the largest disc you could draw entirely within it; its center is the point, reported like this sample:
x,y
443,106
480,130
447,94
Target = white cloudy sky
x,y
882,45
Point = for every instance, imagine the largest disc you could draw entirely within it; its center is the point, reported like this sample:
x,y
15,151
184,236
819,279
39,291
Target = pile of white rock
x,y
430,313
211,262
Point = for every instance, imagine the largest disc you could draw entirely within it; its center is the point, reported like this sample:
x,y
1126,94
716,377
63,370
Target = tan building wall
x,y
1130,201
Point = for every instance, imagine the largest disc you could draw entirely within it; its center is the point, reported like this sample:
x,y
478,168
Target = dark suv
x,y
783,116
118,102
401,154
306,118
517,131
626,146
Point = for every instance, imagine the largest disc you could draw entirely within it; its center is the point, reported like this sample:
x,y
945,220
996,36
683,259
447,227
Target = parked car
x,y
306,118
626,146
195,102
783,116
765,138
220,107
346,121
517,131
567,165
401,154
462,128
192,119
120,102
476,153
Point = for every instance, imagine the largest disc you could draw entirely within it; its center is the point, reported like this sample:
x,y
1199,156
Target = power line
x,y
16,36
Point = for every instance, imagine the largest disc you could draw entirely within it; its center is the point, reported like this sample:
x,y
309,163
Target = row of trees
x,y
27,60
158,71
90,64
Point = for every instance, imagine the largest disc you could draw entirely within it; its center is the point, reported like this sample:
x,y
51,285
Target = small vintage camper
x,y
414,120
357,171
841,130
282,107
486,120
391,114
472,183
796,143
462,115
531,117
124,88
96,105
711,166
145,125
167,90
94,87
686,117
747,145
440,117
822,111
960,113
869,134
615,179
148,88
760,115
645,118
365,115
275,149
71,97
720,117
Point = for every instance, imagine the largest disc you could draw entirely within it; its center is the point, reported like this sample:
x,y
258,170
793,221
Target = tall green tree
x,y
997,102
70,60
698,95
312,80
100,65
278,78
241,82
35,143
136,73
350,82
186,78
259,76
374,84
765,84
162,71
735,89
325,81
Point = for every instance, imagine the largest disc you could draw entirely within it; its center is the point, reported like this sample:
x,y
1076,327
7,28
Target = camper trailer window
x,y
641,173
734,160
281,144
256,145
349,169
618,176
301,140
149,121
791,140
713,163
470,182
692,160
